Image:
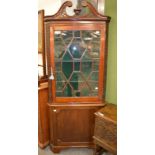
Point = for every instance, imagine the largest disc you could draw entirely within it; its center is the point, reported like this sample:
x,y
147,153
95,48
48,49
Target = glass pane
x,y
86,68
77,63
96,65
68,91
60,85
67,68
59,47
94,86
67,36
77,34
59,93
77,48
67,56
86,56
87,37
77,77
94,50
93,76
60,77
58,66
77,66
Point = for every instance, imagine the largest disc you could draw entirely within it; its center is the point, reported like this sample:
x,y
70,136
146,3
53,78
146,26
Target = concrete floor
x,y
72,151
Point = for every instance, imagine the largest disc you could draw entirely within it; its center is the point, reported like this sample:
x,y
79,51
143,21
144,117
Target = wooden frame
x,y
79,26
41,43
61,21
41,31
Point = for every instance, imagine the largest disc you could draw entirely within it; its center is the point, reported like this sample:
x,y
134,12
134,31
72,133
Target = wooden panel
x,y
105,134
76,124
106,131
73,125
43,128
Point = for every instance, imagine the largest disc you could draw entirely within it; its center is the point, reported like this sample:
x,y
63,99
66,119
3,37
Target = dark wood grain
x,y
72,125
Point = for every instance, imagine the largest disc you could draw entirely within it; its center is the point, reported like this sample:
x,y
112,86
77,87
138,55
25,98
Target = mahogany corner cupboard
x,y
76,48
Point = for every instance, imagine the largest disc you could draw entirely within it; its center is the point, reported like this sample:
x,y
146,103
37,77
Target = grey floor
x,y
72,151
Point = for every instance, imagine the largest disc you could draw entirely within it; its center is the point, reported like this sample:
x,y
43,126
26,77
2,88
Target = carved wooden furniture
x,y
43,122
105,134
77,50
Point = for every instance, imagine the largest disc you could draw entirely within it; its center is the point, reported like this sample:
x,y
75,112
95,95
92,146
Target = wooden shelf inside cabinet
x,y
76,48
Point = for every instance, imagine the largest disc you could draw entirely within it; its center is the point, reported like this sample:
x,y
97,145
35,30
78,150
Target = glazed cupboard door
x,y
77,62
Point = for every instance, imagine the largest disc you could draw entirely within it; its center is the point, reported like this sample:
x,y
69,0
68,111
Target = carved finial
x,y
77,11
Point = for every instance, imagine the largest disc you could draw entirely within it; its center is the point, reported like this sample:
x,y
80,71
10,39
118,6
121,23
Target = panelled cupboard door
x,y
73,125
78,62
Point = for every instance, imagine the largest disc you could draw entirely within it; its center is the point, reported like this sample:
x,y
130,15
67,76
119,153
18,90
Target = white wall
x,y
52,6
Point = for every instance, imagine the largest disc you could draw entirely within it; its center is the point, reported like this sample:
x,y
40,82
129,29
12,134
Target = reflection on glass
x,y
77,62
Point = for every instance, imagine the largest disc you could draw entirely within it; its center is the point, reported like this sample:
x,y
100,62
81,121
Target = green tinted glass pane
x,y
86,56
67,91
67,57
58,66
94,86
77,48
67,68
77,66
76,77
77,62
59,94
96,65
75,85
86,68
93,76
84,89
77,93
77,34
60,76
94,94
60,85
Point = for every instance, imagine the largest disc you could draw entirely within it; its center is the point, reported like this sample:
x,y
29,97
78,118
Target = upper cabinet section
x,y
76,46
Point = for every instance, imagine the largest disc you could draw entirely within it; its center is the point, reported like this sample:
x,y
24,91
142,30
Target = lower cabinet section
x,y
72,125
